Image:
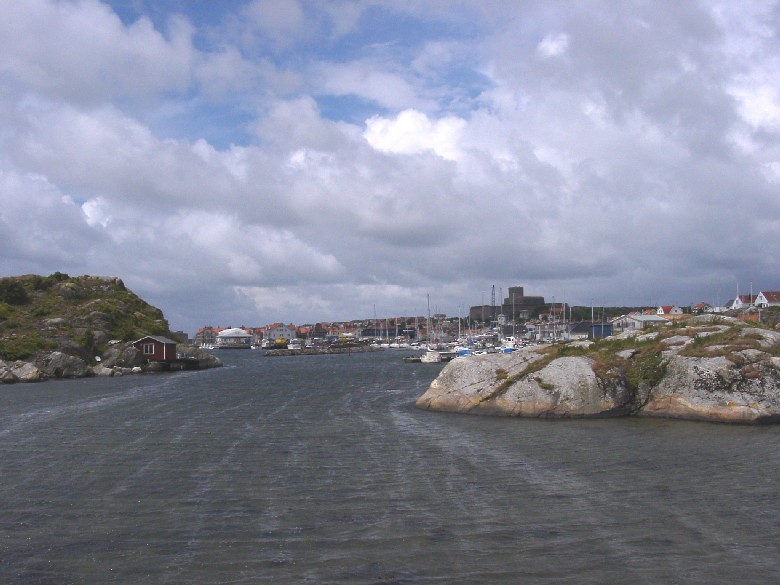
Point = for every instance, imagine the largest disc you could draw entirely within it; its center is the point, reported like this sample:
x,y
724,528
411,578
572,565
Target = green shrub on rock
x,y
13,292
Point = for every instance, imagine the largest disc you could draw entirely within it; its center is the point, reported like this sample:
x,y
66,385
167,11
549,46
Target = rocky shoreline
x,y
59,326
713,369
120,359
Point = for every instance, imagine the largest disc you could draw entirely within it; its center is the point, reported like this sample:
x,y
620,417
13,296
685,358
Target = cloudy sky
x,y
240,163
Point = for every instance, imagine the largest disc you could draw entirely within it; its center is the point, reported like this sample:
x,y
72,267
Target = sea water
x,y
319,469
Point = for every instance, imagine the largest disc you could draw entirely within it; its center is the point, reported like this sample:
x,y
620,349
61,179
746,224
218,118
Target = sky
x,y
250,162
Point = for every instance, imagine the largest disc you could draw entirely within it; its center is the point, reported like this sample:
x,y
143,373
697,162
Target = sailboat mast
x,y
428,323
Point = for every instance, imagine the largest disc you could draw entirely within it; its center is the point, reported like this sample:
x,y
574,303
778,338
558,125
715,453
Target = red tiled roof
x,y
772,296
209,328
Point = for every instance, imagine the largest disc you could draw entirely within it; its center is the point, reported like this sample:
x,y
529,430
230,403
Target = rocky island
x,y
704,368
67,327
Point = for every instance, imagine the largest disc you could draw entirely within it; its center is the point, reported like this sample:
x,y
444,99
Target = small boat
x,y
436,354
431,356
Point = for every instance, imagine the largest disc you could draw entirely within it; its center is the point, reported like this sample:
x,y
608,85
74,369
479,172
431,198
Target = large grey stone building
x,y
515,306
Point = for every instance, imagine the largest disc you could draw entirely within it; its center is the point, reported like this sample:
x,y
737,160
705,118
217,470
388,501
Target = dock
x,y
320,350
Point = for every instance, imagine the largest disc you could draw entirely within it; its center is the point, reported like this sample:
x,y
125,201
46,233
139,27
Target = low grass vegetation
x,y
43,313
19,347
645,366
727,343
640,361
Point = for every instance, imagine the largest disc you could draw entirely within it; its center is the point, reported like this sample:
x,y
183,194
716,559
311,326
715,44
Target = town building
x,y
206,335
279,331
515,306
234,338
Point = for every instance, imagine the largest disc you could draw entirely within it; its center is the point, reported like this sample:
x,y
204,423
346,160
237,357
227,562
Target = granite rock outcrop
x,y
69,327
705,369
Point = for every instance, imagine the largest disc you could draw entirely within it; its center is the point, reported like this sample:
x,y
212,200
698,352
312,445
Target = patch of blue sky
x,y
456,92
219,125
128,11
348,108
386,35
204,15
462,87
199,12
382,26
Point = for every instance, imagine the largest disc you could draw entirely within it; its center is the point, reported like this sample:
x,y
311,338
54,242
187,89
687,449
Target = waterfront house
x,y
768,298
207,335
279,331
332,333
234,338
156,349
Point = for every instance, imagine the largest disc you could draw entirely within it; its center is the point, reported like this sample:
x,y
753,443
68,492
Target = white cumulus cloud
x,y
413,132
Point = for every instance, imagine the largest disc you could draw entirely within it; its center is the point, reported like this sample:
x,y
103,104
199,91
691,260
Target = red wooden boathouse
x,y
156,349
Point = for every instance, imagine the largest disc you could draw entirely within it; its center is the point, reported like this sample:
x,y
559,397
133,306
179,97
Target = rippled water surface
x,y
318,469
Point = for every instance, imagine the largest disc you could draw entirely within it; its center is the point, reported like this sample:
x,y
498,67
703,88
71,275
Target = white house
x,y
669,310
702,307
279,331
768,298
742,302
